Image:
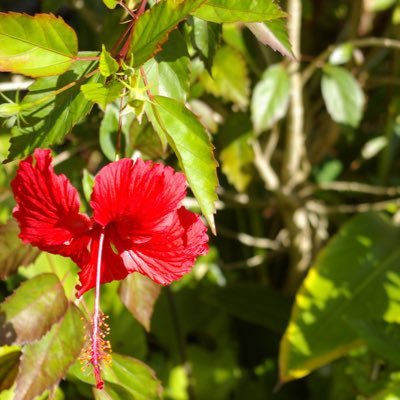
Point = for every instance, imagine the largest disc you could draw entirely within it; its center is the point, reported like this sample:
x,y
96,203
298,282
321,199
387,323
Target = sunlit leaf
x,y
9,362
236,153
192,146
32,309
110,3
343,96
125,375
168,72
273,34
108,65
101,93
270,98
232,84
38,45
356,277
153,27
206,37
139,293
49,115
44,363
239,11
13,253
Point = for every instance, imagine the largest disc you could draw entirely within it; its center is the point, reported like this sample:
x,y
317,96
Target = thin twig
x,y
320,208
248,240
320,60
268,175
14,86
359,188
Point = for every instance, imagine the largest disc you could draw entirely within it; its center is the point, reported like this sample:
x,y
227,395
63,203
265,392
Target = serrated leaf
x,y
343,96
270,98
31,310
39,45
168,72
206,37
14,253
9,362
44,363
192,146
223,11
236,153
101,93
108,65
153,27
362,262
50,117
232,84
273,34
111,4
125,375
139,294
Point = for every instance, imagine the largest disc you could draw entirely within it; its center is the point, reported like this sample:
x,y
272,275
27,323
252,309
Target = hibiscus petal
x,y
138,196
47,209
112,267
169,255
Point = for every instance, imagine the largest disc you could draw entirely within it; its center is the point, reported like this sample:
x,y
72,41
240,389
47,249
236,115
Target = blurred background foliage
x,y
309,183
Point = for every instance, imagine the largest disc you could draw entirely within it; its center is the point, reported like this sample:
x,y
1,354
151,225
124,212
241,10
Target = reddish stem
x,y
141,8
146,84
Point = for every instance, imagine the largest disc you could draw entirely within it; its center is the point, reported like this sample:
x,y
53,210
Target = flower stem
x,y
96,338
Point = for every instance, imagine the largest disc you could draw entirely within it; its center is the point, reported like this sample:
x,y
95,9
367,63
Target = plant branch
x,y
248,240
320,60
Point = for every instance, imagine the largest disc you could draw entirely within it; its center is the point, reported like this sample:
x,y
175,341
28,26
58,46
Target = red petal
x,y
112,267
138,196
47,209
169,255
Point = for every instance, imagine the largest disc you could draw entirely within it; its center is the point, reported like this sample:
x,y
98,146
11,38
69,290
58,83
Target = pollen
x,y
97,350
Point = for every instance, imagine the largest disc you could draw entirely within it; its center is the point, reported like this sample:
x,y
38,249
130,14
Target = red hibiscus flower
x,y
138,224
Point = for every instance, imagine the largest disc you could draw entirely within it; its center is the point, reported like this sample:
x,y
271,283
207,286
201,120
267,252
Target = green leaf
x,y
109,130
111,4
9,362
270,98
192,146
87,184
139,294
32,309
39,45
222,11
13,253
232,84
206,37
153,27
44,363
362,262
143,138
102,93
168,72
236,154
108,65
273,34
342,54
254,303
380,337
50,112
125,375
343,96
